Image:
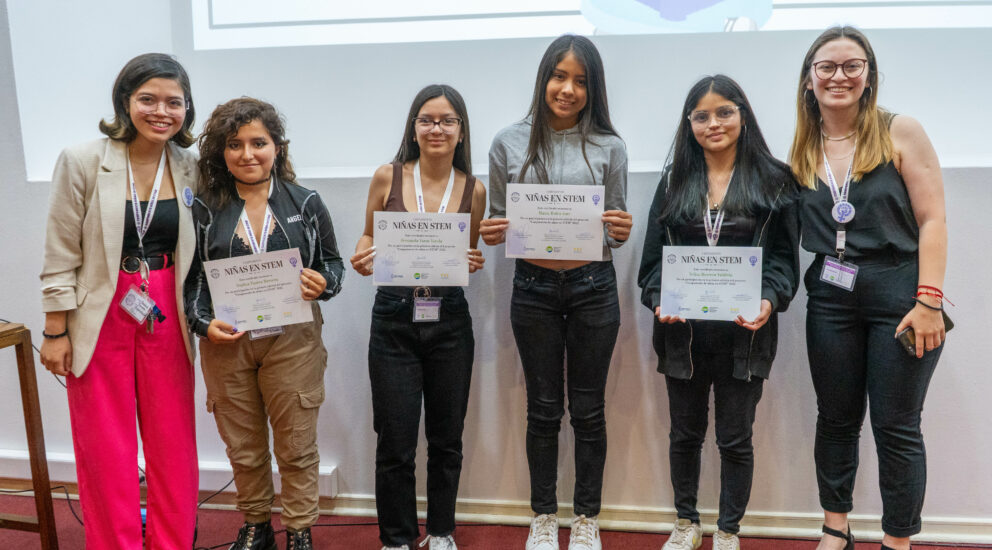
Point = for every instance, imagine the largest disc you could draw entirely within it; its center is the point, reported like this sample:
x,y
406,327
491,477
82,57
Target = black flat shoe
x,y
848,536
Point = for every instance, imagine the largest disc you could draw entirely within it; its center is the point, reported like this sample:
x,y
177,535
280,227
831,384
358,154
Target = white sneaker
x,y
685,536
543,533
585,534
439,543
726,541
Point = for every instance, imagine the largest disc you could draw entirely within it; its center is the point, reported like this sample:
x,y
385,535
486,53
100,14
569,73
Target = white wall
x,y
345,106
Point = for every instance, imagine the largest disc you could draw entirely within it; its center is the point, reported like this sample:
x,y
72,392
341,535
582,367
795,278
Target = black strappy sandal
x,y
849,537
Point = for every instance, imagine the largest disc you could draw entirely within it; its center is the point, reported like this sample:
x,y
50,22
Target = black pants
x,y
410,363
735,403
856,363
571,313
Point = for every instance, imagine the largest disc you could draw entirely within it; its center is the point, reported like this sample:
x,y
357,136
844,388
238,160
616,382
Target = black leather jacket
x,y
777,233
301,216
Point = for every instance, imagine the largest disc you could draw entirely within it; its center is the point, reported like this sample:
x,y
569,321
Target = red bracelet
x,y
928,290
938,291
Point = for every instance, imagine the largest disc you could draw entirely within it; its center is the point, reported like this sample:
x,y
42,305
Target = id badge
x,y
838,273
136,304
264,332
426,310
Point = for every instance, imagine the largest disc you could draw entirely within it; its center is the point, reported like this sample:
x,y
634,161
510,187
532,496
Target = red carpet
x,y
218,528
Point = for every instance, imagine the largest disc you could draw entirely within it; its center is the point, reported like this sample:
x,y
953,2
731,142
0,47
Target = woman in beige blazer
x,y
119,243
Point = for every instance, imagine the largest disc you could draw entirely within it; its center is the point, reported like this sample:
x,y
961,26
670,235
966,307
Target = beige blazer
x,y
85,236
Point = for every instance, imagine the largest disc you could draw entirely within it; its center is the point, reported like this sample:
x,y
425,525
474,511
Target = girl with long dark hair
x,y
872,210
722,187
422,362
564,308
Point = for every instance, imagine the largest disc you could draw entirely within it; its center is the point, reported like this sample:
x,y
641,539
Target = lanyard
x,y
259,246
143,222
712,226
842,211
420,190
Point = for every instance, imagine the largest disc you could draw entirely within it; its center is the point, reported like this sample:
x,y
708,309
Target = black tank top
x,y
883,222
736,230
163,232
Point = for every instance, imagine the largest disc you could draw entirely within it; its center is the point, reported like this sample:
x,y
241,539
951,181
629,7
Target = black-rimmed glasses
x,y
426,125
852,68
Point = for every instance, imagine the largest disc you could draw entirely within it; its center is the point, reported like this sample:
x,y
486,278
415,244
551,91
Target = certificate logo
x,y
549,249
383,225
753,260
129,300
595,200
416,275
514,196
292,262
672,258
215,273
706,309
461,227
259,318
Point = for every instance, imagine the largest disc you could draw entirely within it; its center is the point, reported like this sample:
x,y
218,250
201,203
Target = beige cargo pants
x,y
279,379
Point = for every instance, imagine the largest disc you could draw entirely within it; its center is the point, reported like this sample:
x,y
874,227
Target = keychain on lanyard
x,y
842,211
141,224
712,226
425,308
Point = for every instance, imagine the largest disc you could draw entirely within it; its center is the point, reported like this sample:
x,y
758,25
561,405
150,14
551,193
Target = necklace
x,y
848,155
714,204
842,138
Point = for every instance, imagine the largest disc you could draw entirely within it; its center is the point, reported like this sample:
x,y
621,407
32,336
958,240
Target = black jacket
x,y
300,214
777,233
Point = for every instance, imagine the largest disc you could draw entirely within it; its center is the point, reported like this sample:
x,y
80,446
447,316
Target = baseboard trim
x,y
977,531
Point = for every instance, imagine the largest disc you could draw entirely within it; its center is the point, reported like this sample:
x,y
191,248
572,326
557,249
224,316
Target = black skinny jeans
x,y
409,363
856,363
573,314
735,402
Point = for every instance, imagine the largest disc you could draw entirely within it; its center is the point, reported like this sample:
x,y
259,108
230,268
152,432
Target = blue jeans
x,y
410,363
857,364
573,314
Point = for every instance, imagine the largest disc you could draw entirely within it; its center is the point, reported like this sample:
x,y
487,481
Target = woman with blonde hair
x,y
872,210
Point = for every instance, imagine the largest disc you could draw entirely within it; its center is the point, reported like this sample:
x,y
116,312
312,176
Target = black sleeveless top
x,y
736,230
883,222
163,232
394,201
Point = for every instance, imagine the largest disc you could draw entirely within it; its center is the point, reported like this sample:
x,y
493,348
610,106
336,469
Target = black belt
x,y
131,264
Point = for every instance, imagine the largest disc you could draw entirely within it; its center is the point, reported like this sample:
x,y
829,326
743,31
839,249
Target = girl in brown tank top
x,y
413,362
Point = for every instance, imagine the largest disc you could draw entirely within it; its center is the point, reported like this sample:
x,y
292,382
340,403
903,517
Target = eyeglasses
x,y
852,68
426,125
148,105
724,114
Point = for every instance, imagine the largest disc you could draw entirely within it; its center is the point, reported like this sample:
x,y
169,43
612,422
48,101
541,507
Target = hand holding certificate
x,y
421,249
258,291
716,283
554,222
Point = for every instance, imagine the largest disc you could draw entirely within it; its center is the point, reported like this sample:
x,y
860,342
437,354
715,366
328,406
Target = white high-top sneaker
x,y
585,534
685,536
726,541
543,533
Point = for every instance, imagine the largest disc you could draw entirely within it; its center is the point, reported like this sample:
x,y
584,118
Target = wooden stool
x,y
16,335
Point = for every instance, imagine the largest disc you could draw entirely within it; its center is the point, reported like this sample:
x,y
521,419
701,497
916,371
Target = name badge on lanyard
x,y
137,303
425,308
257,247
836,271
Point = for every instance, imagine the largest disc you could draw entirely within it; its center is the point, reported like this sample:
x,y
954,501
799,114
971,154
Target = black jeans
x,y
571,313
856,363
409,363
735,402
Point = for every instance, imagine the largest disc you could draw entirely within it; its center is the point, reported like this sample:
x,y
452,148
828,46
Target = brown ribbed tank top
x,y
394,202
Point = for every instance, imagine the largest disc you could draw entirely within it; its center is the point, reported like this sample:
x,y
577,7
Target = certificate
x,y
259,290
715,283
421,249
554,222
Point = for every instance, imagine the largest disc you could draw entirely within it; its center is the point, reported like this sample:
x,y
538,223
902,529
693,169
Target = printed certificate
x,y
554,222
421,249
715,283
258,290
